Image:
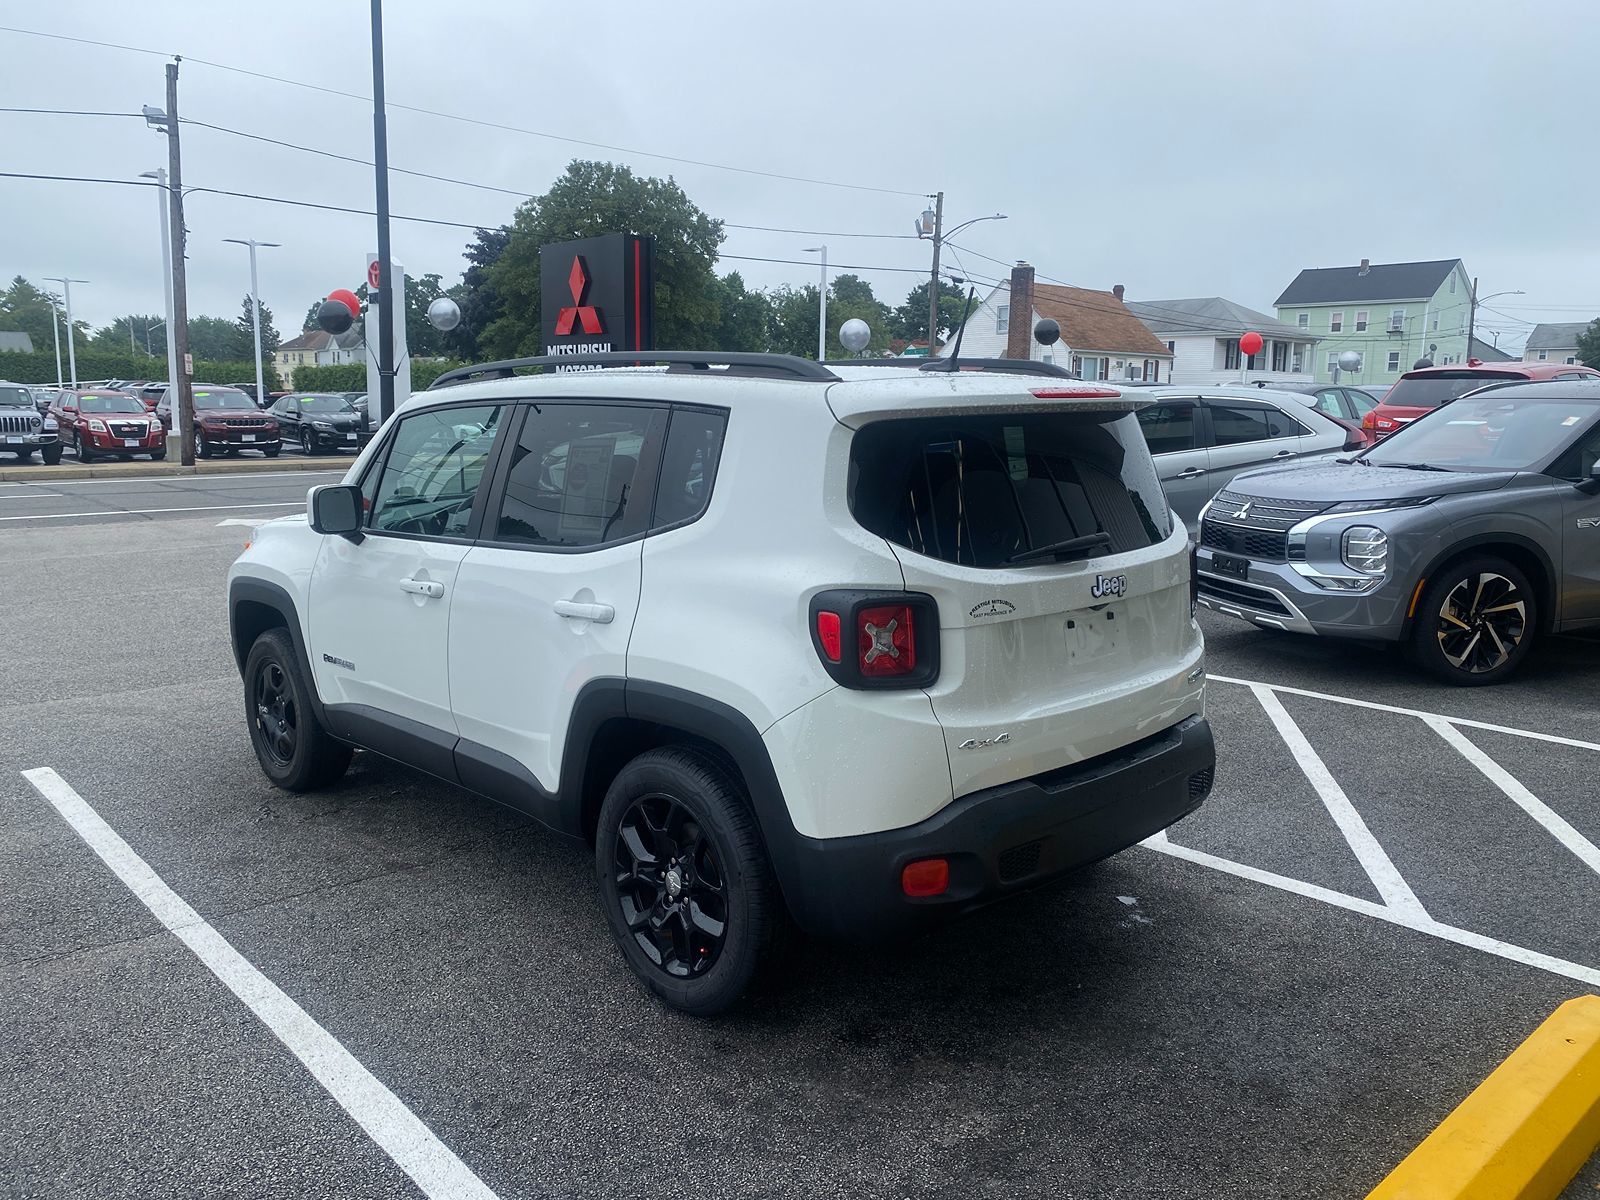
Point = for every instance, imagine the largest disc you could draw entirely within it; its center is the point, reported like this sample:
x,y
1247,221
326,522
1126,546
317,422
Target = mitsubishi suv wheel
x,y
1475,622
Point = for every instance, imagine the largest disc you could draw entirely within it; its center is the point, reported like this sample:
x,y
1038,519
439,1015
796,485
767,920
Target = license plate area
x,y
1227,564
130,441
248,437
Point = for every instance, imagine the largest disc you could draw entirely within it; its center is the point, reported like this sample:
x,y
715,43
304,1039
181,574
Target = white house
x,y
1203,337
318,348
1100,338
1554,341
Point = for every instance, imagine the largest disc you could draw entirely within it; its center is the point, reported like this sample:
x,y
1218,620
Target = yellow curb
x,y
157,470
1524,1131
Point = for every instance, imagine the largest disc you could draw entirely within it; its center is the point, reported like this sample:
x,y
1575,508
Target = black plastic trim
x,y
1548,588
783,366
847,603
400,738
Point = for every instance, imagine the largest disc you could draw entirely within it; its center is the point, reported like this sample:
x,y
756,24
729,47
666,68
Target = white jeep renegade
x,y
860,647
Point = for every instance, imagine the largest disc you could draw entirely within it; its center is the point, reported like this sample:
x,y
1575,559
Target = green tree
x,y
1589,345
214,339
744,317
479,299
26,309
794,317
594,198
911,318
149,336
244,334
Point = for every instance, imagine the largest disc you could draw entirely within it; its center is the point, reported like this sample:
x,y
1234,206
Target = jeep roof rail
x,y
784,366
1013,366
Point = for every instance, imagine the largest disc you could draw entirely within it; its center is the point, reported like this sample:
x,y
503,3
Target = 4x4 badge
x,y
991,608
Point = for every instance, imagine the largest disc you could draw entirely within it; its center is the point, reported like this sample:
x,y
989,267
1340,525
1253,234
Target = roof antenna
x,y
951,363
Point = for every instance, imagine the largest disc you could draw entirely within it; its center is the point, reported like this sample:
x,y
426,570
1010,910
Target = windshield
x,y
991,490
325,404
1488,434
16,396
222,398
117,403
1430,391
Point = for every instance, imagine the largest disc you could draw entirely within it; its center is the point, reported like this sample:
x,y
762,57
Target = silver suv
x,y
1465,534
24,430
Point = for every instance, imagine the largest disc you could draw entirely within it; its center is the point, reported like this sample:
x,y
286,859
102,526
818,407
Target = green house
x,y
1391,314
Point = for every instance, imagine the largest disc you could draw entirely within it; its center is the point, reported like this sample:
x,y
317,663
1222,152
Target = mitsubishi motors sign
x,y
596,295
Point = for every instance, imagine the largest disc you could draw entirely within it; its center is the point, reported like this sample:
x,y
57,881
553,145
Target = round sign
x,y
333,316
1350,360
1047,332
1251,343
372,275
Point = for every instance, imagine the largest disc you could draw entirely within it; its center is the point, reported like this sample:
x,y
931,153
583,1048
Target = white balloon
x,y
444,314
854,335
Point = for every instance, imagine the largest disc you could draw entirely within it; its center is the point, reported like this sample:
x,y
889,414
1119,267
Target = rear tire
x,y
1475,622
685,881
51,454
308,445
295,751
273,452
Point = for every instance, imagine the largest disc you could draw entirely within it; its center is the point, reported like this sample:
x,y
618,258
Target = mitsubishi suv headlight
x,y
1365,548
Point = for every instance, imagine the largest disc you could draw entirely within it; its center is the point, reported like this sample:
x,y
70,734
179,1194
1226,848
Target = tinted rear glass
x,y
1430,391
977,490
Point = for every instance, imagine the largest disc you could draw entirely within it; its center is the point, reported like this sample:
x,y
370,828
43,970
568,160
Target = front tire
x,y
685,881
308,445
201,450
158,456
85,455
51,454
1476,622
296,753
272,453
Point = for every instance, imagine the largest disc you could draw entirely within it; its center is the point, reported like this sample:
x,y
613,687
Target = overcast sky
x,y
1182,149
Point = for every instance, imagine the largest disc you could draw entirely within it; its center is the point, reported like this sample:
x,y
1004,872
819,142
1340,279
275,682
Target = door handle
x,y
601,614
1284,454
422,587
1189,473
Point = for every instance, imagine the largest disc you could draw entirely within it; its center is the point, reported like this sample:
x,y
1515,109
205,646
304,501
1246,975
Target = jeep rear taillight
x,y
876,639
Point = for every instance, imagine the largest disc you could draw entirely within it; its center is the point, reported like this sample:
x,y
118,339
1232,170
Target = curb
x,y
155,470
1524,1131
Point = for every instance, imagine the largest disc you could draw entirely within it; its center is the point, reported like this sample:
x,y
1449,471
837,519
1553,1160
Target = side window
x,y
1361,403
580,475
1282,425
1232,426
1577,463
1328,403
1167,428
688,465
435,465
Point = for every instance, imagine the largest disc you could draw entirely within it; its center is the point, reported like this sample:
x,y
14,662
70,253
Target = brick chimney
x,y
1117,292
1019,334
1366,265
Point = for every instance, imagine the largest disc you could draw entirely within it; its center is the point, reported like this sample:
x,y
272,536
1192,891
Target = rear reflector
x,y
1076,393
926,877
886,640
828,635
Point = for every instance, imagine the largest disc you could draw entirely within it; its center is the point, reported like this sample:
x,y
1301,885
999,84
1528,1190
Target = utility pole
x,y
1472,317
178,324
72,346
380,164
55,330
933,279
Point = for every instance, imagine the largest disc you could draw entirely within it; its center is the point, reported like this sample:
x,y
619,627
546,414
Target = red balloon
x,y
1251,343
348,298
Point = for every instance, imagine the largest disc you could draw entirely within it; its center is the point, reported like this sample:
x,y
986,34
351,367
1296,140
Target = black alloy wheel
x,y
277,719
670,886
308,445
1476,622
293,748
685,879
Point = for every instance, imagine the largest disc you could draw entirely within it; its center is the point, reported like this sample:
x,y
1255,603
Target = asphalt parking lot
x,y
1391,886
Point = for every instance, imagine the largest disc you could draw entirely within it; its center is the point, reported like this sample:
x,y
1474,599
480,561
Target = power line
x,y
70,112
538,133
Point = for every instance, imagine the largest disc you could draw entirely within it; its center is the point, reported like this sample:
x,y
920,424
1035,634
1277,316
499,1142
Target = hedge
x,y
97,364
352,377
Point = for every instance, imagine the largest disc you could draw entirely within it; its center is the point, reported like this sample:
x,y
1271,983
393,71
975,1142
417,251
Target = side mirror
x,y
1591,485
336,508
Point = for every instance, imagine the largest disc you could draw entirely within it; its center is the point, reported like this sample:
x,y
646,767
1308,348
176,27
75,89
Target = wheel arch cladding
x,y
255,606
1527,556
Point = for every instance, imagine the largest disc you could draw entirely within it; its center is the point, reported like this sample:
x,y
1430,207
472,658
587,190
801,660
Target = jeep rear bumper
x,y
1002,840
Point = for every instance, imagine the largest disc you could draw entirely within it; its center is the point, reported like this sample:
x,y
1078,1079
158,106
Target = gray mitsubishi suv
x,y
1464,535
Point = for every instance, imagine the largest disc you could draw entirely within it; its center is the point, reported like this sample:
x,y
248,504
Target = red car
x,y
100,421
1417,392
227,422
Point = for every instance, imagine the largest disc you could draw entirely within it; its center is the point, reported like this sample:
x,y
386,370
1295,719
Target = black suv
x,y
320,422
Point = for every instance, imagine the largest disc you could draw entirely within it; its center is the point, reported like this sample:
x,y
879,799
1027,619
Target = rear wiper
x,y
1411,466
1078,547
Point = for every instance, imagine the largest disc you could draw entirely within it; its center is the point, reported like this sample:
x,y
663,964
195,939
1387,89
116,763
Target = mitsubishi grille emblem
x,y
882,640
586,314
1243,512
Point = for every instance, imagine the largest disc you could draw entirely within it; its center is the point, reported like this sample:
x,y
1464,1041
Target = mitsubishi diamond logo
x,y
585,314
1243,512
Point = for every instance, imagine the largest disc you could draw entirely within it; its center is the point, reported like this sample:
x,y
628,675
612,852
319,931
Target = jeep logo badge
x,y
1109,585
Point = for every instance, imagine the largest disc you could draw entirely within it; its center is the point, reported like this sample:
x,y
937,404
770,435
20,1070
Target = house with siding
x,y
1203,335
1391,314
1100,337
1554,341
318,348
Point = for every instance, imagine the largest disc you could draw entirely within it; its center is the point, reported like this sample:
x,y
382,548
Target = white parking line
x,y
182,481
143,512
1396,893
1519,795
1384,912
398,1131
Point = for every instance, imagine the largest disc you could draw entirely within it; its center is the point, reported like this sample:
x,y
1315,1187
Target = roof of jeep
x,y
730,389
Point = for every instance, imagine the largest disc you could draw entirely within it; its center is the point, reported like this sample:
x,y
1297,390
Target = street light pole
x,y
931,223
255,308
55,331
822,311
72,349
165,220
380,163
1472,311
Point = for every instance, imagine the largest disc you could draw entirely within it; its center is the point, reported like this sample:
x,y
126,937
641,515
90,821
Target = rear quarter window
x,y
977,490
1430,391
